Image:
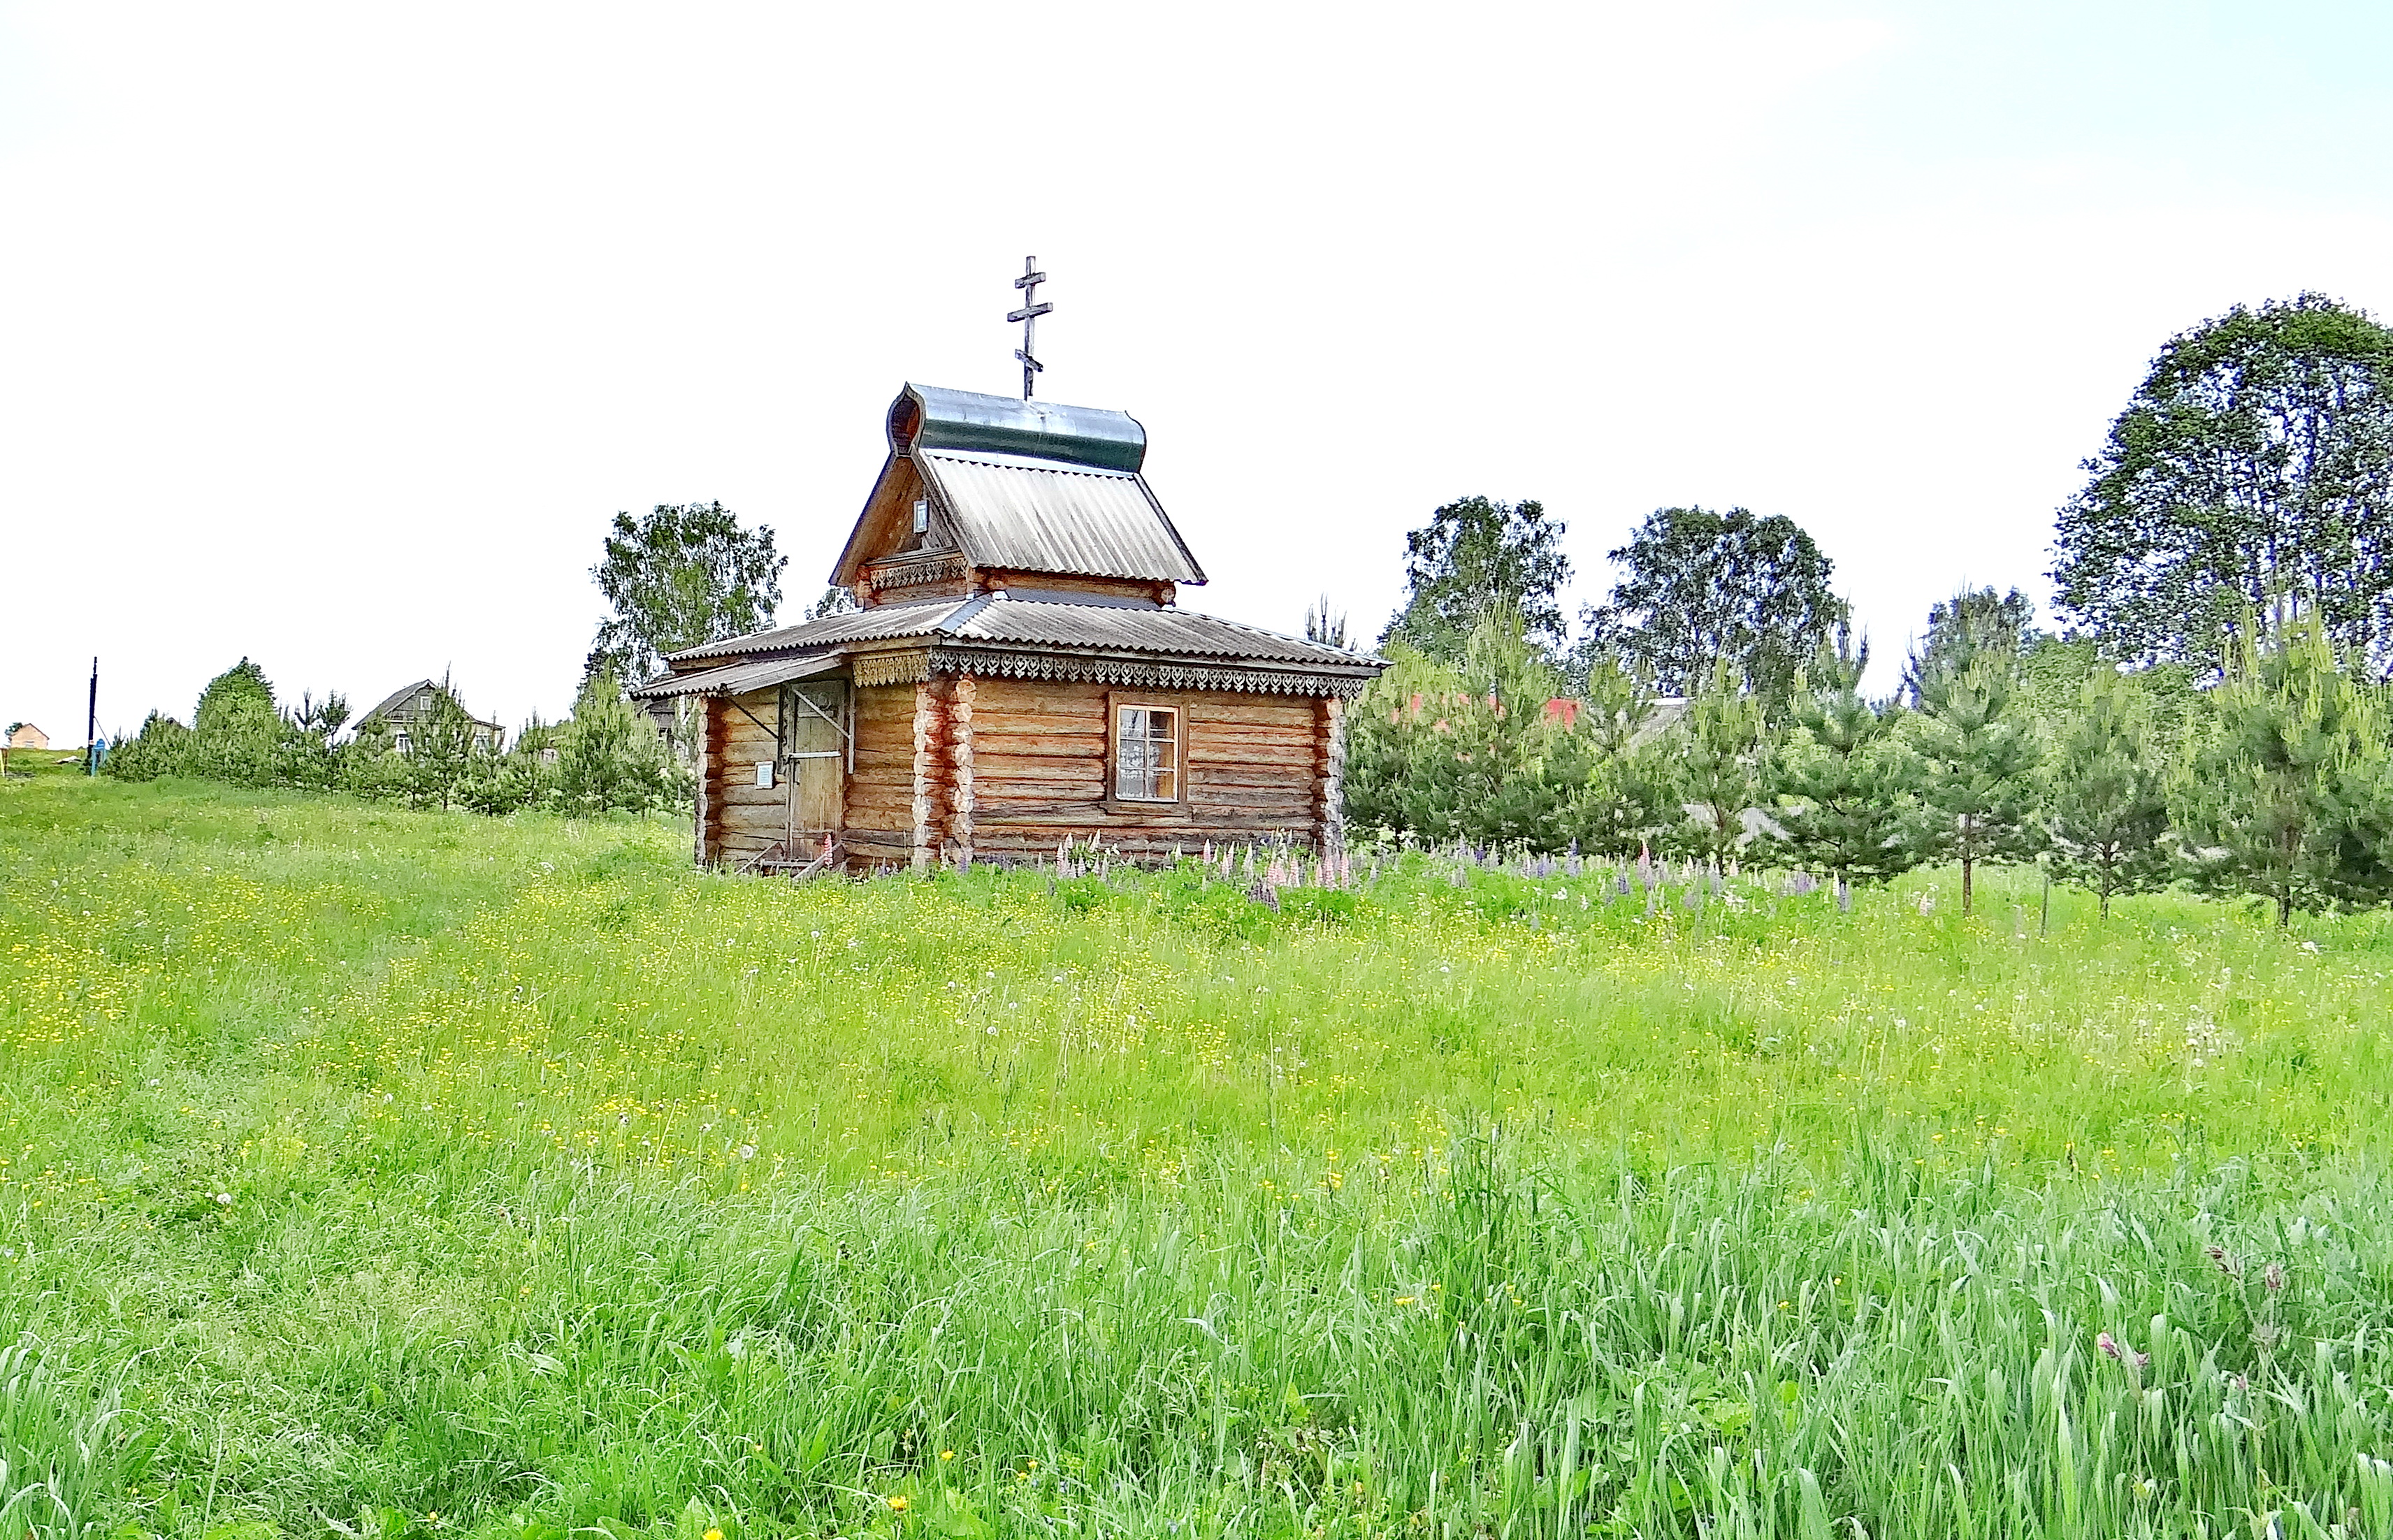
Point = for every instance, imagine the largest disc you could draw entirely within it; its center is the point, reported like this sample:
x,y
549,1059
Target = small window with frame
x,y
1146,753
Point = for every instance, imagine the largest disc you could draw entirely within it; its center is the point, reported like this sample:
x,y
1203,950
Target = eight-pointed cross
x,y
1028,316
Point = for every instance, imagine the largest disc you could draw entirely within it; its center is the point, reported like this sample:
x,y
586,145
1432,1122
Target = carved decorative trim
x,y
1130,674
903,666
910,571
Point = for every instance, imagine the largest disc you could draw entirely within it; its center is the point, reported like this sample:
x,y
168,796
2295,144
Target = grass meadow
x,y
374,1173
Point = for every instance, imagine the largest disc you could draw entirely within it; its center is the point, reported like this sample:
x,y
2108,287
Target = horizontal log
x,y
1033,767
1261,772
987,718
1006,739
1245,785
1251,807
1025,695
1251,731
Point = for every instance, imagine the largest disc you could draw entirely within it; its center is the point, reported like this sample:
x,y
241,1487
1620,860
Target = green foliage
x,y
2285,794
159,748
2250,475
1842,801
835,600
2106,800
235,729
610,759
1976,762
1468,753
1697,588
1720,764
1970,623
680,576
1607,780
1474,557
441,756
414,1174
238,737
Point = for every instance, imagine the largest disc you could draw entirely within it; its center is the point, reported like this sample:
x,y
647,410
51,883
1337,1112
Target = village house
x,y
1019,673
404,708
26,735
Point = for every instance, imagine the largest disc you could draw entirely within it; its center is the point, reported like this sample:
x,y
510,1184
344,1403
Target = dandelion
x,y
898,1504
945,1455
715,1535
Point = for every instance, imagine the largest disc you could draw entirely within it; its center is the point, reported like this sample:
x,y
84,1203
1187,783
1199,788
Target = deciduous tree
x,y
1474,556
2250,475
683,575
1971,623
1697,588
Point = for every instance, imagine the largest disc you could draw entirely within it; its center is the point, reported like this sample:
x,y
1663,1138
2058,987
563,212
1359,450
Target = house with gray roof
x,y
1019,673
404,707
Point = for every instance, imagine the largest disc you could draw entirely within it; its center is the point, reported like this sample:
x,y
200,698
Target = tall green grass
x,y
408,1174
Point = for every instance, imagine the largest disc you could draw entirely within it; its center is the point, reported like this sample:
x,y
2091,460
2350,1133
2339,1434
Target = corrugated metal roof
x,y
1178,632
739,678
1098,626
1042,516
857,625
935,417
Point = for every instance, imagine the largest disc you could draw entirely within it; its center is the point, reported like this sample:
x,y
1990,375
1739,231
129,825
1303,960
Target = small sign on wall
x,y
763,771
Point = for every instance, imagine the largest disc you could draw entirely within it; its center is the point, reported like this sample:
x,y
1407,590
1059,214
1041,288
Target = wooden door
x,y
814,730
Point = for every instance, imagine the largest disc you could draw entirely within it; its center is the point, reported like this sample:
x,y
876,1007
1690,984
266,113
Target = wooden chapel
x,y
1019,671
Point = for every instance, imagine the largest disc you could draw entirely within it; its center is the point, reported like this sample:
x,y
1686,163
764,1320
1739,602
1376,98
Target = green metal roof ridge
x,y
938,418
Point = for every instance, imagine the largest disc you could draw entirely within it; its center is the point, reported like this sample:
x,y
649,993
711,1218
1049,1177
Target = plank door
x,y
815,730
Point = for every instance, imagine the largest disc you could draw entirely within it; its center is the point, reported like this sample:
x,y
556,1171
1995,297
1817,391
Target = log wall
x,y
956,769
745,818
881,790
1251,766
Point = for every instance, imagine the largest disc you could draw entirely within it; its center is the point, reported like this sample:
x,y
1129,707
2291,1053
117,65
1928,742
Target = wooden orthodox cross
x,y
1028,316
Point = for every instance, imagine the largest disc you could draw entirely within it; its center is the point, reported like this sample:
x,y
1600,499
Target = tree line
x,y
679,576
604,758
2213,709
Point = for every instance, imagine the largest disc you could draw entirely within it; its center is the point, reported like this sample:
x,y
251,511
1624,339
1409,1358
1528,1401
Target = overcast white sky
x,y
334,335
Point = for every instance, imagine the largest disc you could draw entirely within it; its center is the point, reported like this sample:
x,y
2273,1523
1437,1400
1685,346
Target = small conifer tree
x,y
1722,753
1977,763
1843,801
609,757
440,750
2107,815
2285,795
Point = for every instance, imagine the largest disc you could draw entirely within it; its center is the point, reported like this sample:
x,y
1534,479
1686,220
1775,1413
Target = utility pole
x,y
91,725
